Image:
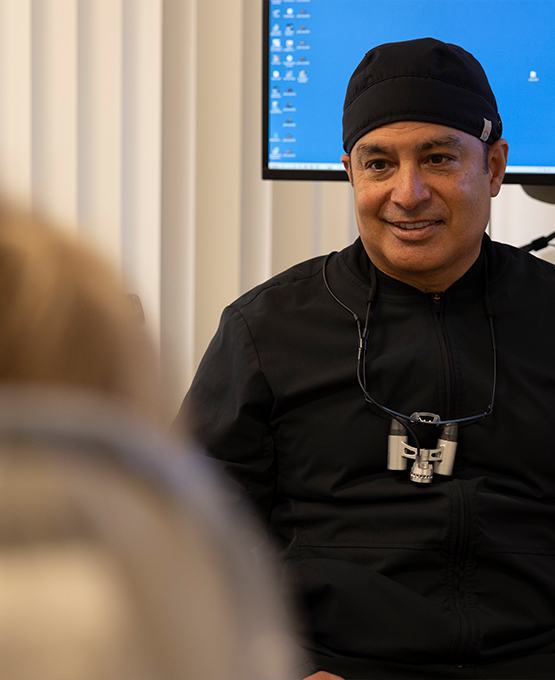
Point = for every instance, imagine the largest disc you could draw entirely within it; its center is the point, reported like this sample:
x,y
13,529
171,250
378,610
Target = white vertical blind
x,y
54,108
256,195
15,98
179,151
142,148
218,161
138,121
100,29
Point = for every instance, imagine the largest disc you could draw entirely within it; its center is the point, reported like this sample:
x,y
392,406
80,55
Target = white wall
x,y
138,122
517,218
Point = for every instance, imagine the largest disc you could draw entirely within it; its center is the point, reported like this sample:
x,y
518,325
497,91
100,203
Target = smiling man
x,y
422,194
388,408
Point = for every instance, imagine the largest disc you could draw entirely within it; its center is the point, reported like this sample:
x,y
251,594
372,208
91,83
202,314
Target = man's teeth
x,y
413,225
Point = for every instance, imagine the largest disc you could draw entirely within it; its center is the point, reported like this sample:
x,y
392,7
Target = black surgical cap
x,y
423,80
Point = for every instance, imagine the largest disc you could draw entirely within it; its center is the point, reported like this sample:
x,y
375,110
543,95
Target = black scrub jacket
x,y
395,579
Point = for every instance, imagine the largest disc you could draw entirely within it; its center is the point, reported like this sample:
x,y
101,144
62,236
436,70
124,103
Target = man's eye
x,y
438,159
377,165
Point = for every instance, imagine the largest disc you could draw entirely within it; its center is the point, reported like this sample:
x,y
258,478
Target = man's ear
x,y
497,162
346,160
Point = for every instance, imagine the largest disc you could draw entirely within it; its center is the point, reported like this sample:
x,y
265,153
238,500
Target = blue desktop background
x,y
511,38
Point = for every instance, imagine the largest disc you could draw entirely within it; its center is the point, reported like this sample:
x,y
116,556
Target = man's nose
x,y
410,188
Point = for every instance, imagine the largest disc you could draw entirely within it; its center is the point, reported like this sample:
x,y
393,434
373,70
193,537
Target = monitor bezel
x,y
530,179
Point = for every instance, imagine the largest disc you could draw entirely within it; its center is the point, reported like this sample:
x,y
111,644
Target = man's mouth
x,y
411,226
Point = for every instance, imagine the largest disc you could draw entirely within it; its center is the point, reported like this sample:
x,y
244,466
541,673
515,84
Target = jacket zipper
x,y
438,306
461,526
459,555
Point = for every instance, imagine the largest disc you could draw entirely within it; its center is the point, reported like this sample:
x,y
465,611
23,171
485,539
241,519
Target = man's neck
x,y
430,281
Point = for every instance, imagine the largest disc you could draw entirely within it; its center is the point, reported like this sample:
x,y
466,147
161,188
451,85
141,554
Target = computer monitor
x,y
312,46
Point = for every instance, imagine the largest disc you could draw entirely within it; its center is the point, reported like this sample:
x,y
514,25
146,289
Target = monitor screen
x,y
311,48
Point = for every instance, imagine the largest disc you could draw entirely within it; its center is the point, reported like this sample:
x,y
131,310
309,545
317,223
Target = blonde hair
x,y
65,318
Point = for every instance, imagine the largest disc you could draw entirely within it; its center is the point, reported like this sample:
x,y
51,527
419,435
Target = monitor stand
x,y
547,195
540,192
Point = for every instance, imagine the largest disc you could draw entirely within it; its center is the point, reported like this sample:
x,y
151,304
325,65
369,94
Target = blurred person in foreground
x,y
66,320
119,559
389,408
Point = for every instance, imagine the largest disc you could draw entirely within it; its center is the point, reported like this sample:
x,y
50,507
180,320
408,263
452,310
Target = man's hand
x,y
322,675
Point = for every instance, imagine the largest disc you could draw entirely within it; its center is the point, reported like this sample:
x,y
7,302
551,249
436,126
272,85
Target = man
x,y
388,408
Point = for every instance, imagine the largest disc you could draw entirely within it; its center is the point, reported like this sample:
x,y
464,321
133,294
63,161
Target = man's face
x,y
422,199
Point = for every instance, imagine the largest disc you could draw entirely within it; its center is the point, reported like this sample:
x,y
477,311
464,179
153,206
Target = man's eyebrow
x,y
372,150
450,141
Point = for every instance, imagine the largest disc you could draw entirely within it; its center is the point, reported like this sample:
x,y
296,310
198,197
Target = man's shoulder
x,y
279,289
520,266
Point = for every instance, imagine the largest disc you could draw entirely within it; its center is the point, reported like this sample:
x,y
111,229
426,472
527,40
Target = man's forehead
x,y
414,135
